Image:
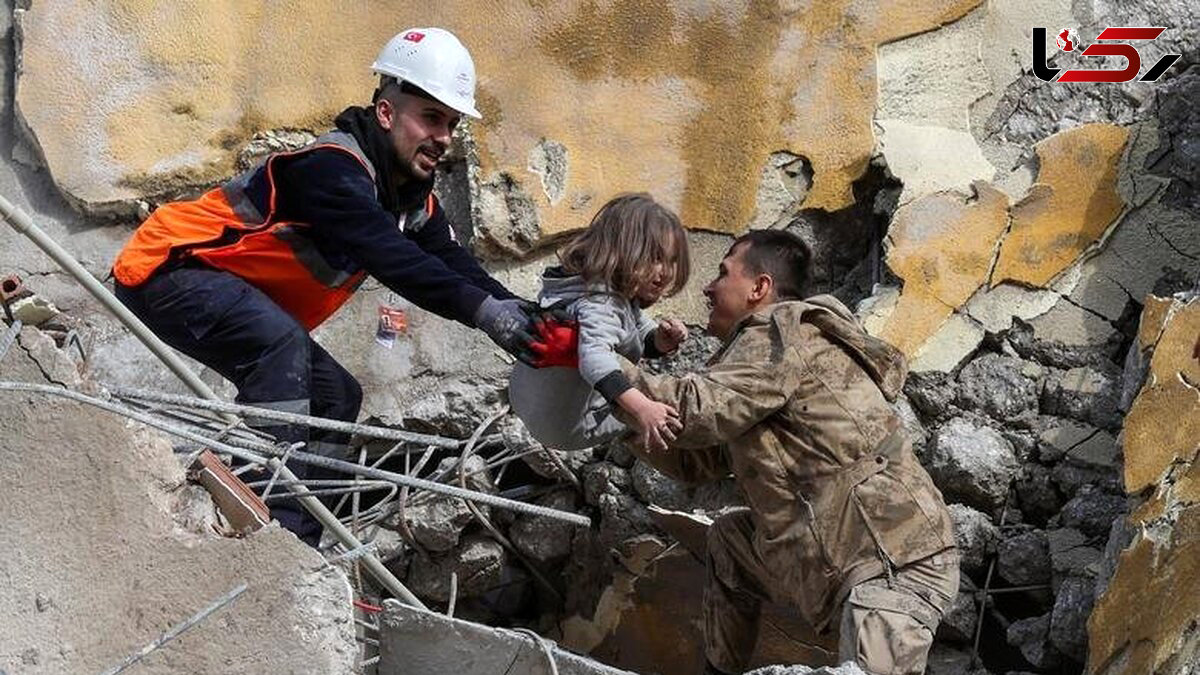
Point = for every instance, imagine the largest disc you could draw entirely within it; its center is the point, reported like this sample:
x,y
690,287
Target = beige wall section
x,y
1145,620
687,99
946,248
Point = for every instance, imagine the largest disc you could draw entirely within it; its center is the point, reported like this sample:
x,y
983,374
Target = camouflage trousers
x,y
887,622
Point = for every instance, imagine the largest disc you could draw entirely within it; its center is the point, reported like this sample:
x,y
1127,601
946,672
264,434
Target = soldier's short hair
x,y
780,254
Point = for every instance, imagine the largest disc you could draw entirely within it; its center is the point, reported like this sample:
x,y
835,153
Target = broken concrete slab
x,y
973,464
942,245
1071,205
419,642
107,548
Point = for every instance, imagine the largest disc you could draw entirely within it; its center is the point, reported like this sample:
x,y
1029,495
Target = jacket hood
x,y
557,285
884,363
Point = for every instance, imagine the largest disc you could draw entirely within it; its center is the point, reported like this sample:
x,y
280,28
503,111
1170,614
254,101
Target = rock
x,y
932,393
1037,494
1032,637
1065,337
975,536
1092,512
1068,620
913,429
603,478
958,625
657,488
1058,436
1095,461
455,408
1002,387
691,356
972,464
518,441
1071,555
1024,559
545,539
1087,394
478,563
437,520
622,517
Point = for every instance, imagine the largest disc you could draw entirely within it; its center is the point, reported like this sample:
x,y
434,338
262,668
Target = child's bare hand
x,y
658,423
669,335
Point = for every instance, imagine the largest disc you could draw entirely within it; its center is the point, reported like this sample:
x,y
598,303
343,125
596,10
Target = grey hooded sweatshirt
x,y
571,408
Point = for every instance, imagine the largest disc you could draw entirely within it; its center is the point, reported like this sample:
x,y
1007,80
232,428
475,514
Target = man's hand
x,y
669,335
658,423
507,325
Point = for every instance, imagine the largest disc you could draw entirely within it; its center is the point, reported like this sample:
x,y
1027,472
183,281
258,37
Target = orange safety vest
x,y
224,230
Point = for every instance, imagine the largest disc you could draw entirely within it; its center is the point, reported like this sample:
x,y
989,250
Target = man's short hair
x,y
780,254
389,87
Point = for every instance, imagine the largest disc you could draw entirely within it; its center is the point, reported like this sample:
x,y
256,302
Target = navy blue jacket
x,y
331,192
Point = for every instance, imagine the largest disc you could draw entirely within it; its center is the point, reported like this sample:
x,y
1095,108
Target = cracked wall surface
x,y
1146,621
128,99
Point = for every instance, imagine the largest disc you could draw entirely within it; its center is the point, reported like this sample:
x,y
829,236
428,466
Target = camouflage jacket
x,y
797,406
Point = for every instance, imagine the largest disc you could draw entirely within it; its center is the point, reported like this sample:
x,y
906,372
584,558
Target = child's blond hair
x,y
626,237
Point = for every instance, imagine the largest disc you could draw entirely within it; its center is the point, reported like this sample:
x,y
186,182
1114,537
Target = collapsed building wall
x,y
1005,232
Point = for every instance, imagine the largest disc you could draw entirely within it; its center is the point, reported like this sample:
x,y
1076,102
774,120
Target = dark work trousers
x,y
235,329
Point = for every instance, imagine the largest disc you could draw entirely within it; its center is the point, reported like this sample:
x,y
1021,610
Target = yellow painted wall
x,y
686,99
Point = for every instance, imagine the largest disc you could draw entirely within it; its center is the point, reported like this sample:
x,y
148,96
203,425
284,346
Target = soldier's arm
x,y
728,398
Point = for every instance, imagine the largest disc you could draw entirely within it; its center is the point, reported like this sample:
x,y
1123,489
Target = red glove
x,y
556,340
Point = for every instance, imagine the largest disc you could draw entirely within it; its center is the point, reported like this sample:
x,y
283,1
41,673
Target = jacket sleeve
x,y
600,331
333,193
725,400
436,238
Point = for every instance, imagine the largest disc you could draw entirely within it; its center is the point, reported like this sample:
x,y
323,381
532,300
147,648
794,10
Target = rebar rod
x,y
177,630
370,431
22,223
306,458
9,337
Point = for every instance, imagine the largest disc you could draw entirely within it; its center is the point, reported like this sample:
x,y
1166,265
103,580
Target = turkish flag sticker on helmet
x,y
414,36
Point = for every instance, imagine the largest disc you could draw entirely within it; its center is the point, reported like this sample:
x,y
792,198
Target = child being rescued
x,y
633,253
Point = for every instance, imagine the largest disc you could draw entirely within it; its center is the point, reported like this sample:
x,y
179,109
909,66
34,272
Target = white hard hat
x,y
434,60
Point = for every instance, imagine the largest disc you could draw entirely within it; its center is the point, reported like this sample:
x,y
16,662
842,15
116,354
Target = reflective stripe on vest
x,y
225,230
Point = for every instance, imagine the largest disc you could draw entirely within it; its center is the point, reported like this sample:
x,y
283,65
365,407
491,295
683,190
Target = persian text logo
x,y
1066,41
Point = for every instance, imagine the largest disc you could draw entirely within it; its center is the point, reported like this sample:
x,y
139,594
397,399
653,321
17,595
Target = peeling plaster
x,y
687,100
1072,204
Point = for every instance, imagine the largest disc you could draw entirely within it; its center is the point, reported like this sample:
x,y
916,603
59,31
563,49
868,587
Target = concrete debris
x,y
1003,387
1032,637
1024,559
1068,621
418,642
1092,512
477,562
1071,555
1087,394
973,463
975,535
120,495
656,488
543,539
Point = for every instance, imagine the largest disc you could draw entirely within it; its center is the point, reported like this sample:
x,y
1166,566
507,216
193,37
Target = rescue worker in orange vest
x,y
238,277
